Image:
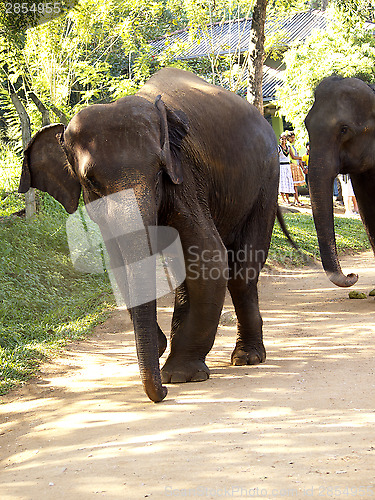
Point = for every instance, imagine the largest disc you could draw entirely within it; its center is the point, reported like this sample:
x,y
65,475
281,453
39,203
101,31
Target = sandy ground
x,y
301,425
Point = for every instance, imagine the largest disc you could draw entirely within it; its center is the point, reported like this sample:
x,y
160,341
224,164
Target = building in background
x,y
230,40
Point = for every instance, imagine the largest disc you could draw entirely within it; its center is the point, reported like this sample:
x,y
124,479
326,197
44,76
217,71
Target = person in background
x,y
335,188
305,163
305,168
337,192
348,195
296,166
286,184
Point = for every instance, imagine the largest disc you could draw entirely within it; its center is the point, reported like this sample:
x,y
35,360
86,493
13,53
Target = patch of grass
x,y
10,203
10,169
44,302
350,238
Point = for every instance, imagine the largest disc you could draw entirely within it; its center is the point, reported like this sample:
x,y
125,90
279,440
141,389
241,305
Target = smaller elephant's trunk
x,y
321,193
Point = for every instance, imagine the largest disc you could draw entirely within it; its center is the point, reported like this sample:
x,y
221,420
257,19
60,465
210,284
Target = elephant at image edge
x,y
199,159
341,126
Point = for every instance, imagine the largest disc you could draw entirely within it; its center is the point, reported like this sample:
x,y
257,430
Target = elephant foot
x,y
180,371
162,342
248,356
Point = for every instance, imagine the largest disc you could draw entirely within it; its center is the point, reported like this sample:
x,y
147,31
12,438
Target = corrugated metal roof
x,y
233,36
271,80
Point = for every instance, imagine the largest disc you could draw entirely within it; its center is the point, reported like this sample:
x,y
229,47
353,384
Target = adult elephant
x,y
341,126
199,159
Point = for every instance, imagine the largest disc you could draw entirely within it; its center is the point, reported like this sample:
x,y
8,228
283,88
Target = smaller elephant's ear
x,y
46,167
173,128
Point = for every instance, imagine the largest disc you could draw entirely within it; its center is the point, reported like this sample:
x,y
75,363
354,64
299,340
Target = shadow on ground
x,y
302,424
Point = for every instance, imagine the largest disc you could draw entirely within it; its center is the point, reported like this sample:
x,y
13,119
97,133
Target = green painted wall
x,y
277,125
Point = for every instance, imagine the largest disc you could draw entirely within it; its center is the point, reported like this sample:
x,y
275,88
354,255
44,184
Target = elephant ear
x,y
173,128
46,167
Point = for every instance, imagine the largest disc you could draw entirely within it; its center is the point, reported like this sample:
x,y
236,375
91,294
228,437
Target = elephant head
x,y
131,144
341,127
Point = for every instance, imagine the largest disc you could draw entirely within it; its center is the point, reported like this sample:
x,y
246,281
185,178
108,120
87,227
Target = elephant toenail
x,y
199,377
178,378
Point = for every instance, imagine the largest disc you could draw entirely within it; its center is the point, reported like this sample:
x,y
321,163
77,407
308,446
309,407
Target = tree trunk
x,y
256,55
62,117
30,202
41,107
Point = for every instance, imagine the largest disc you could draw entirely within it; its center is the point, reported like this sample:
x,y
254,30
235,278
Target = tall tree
x,y
11,62
257,52
256,55
30,198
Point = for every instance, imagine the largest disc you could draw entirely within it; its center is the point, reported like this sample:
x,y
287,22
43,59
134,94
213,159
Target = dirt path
x,y
301,425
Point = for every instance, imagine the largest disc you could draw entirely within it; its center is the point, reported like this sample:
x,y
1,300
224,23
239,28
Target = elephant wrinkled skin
x,y
341,126
199,159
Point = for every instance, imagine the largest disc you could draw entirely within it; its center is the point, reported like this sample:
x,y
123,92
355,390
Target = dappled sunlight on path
x,y
303,420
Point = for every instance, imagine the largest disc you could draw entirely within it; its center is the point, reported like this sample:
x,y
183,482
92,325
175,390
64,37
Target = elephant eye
x,y
344,129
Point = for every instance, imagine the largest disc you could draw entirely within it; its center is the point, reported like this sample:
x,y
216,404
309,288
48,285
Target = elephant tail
x,y
280,218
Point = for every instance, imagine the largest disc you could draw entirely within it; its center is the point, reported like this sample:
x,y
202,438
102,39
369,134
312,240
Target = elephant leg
x,y
249,349
181,307
364,189
246,262
198,304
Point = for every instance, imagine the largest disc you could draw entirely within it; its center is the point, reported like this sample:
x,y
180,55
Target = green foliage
x,y
341,49
71,60
10,131
10,168
361,10
199,13
94,53
10,203
287,6
44,302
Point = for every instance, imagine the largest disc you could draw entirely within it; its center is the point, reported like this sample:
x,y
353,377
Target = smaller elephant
x,y
341,127
196,158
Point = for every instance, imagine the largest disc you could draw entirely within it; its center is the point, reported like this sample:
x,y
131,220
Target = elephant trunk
x,y
142,303
145,330
127,216
321,193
